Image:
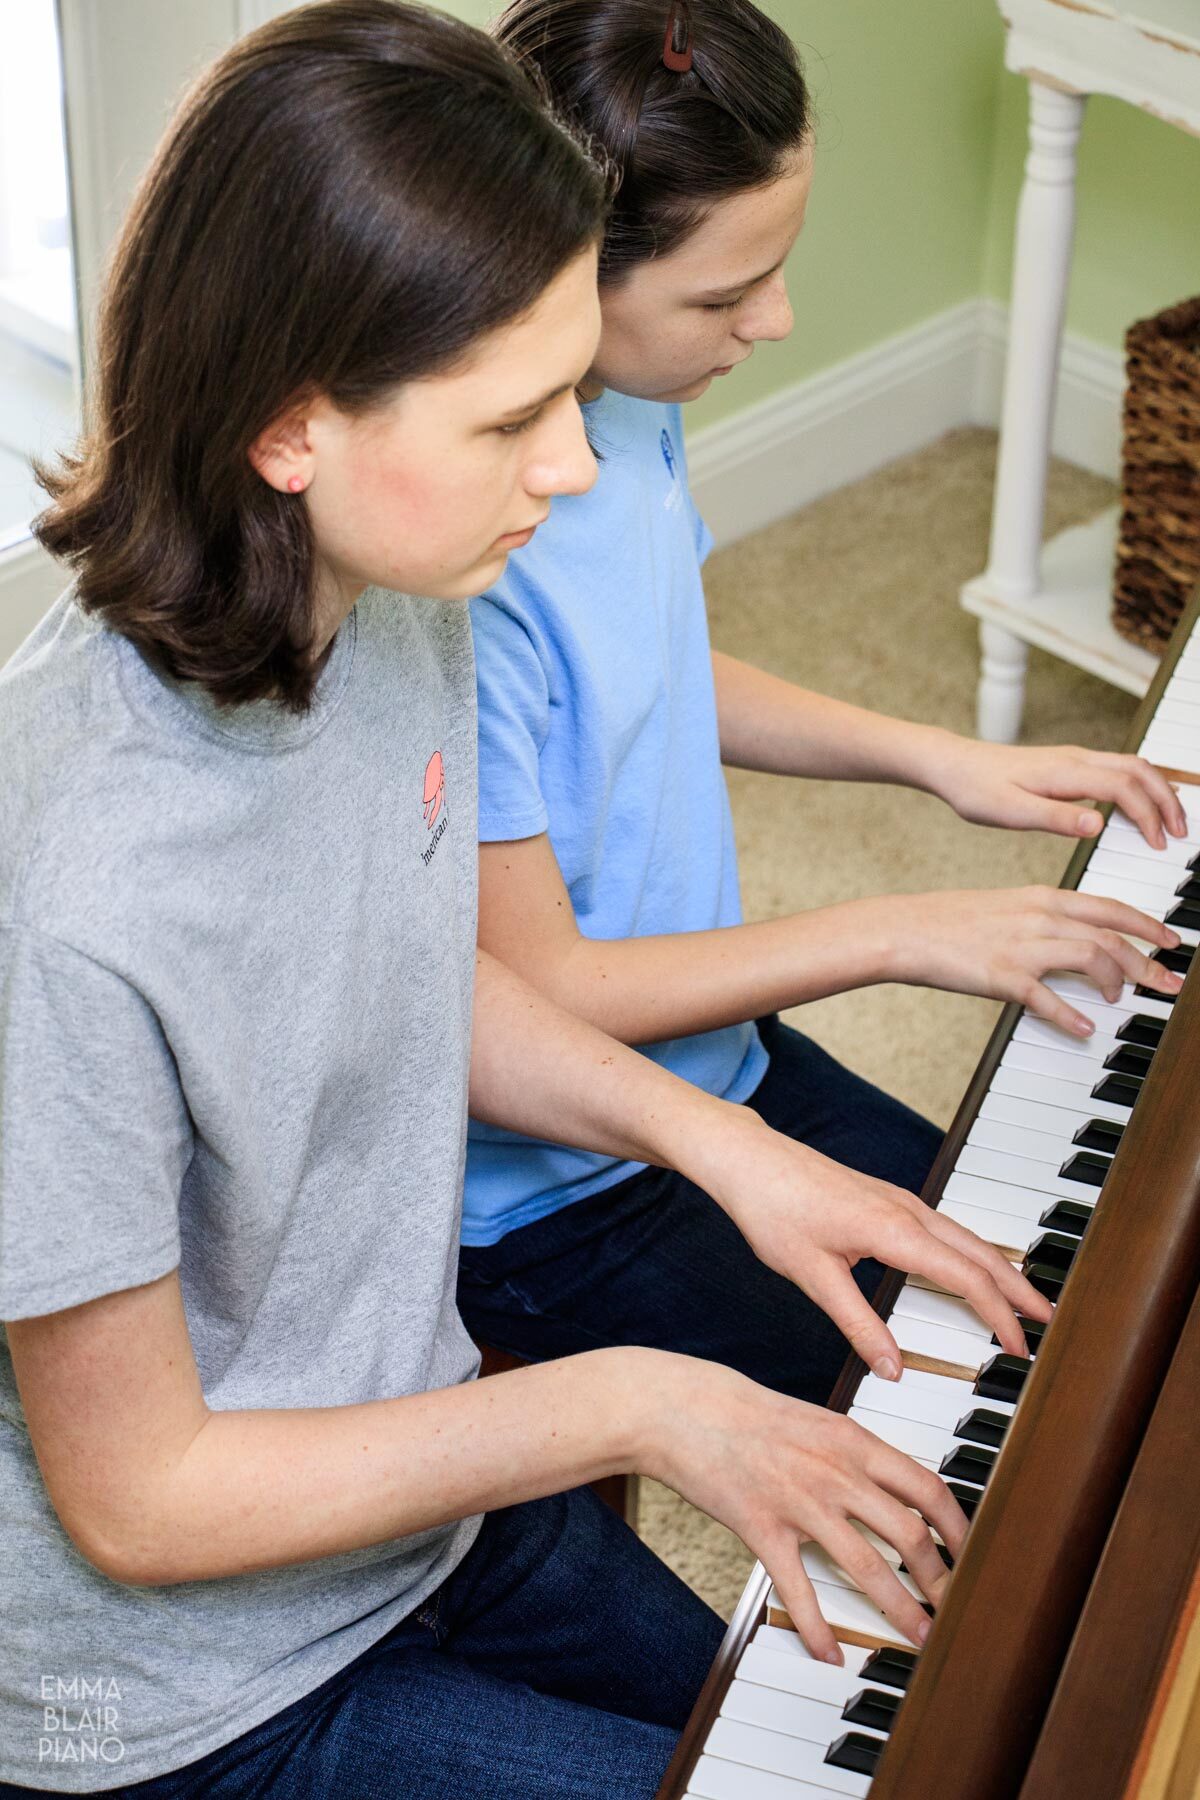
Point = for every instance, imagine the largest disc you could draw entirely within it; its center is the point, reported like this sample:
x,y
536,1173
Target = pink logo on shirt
x,y
435,788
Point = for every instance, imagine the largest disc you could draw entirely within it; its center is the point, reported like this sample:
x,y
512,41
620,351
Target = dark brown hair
x,y
345,201
679,141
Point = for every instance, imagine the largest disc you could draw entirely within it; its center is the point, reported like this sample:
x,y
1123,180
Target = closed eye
x,y
521,424
723,305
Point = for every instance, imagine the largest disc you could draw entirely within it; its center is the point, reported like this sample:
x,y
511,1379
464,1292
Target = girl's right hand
x,y
781,1473
1003,942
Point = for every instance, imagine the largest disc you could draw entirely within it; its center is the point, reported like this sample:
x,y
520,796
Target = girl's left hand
x,y
1036,788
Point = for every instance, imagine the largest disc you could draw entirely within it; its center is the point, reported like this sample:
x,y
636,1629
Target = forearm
x,y
643,990
263,1489
774,726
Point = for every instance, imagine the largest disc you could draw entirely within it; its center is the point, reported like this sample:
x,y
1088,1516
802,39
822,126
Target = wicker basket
x,y
1158,547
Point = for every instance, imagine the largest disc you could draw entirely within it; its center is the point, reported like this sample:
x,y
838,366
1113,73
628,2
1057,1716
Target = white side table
x,y
1148,53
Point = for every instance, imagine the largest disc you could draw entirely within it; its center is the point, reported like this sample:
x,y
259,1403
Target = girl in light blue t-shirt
x,y
608,872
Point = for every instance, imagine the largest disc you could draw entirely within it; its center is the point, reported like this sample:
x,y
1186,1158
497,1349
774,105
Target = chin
x,y
692,391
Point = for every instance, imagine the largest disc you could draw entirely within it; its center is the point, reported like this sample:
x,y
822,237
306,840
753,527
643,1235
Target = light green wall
x,y
921,141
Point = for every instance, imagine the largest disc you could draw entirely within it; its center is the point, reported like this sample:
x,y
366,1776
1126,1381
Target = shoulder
x,y
53,725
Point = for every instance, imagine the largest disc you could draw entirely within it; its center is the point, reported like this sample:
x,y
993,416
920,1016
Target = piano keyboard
x,y
1027,1178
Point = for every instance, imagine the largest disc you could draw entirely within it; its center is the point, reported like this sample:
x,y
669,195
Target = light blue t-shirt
x,y
598,724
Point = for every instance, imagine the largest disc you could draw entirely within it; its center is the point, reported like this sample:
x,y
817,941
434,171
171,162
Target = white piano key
x,y
776,1754
937,1308
1143,895
993,1227
1184,687
919,1338
1025,1174
1173,709
845,1609
777,1658
1039,1122
816,1721
1107,1015
941,1400
1093,1049
821,1568
929,1443
716,1777
1022,1140
1024,1085
1119,829
1036,1059
1021,1205
1137,864
1172,746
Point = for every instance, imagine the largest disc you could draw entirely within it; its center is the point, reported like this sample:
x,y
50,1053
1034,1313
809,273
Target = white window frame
x,y
124,64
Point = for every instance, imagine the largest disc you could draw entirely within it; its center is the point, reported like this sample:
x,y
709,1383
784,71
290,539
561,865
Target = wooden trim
x,y
1118,1719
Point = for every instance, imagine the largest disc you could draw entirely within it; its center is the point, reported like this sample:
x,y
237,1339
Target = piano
x,y
1064,1659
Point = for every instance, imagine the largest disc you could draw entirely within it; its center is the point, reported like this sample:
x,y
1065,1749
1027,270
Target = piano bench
x,y
618,1491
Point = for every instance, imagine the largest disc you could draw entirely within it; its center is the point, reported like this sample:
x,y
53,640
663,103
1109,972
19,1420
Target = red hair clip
x,y
677,40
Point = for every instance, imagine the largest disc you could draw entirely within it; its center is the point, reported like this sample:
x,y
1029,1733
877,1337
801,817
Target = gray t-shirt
x,y
236,961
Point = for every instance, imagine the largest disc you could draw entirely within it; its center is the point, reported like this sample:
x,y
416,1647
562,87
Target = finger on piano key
x,y
821,1568
1108,1015
1018,1234
854,1618
926,1399
923,1345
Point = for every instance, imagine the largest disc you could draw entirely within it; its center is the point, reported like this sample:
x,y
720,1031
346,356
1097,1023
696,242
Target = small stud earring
x,y
295,484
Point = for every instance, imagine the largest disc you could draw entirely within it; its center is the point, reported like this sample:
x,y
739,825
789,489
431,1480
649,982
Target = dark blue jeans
x,y
560,1661
654,1261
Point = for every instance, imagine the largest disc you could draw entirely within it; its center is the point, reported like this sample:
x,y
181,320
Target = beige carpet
x,y
857,596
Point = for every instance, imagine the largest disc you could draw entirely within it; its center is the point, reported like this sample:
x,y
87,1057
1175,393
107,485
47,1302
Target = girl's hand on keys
x,y
1042,788
781,1473
811,1219
1003,942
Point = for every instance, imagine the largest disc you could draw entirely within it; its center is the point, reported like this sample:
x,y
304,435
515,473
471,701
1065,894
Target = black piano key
x,y
889,1667
1054,1248
942,1551
1071,1217
854,1750
1099,1134
1033,1329
1119,1090
968,1497
1129,1059
1143,1028
1179,959
1185,916
1046,1279
1002,1377
982,1426
1087,1167
876,1707
1147,993
968,1462
1189,887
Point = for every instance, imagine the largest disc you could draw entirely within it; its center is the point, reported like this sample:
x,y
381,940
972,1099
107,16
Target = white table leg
x,y
1045,229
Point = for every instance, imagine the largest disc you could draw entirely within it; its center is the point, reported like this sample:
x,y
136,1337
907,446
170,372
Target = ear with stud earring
x,y
296,484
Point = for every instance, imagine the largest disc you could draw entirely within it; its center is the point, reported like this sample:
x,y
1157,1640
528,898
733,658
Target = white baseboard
x,y
837,426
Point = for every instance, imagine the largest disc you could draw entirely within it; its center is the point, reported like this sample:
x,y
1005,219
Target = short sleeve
x,y
94,1131
514,719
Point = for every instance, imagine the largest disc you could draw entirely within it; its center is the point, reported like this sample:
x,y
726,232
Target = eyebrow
x,y
532,405
736,287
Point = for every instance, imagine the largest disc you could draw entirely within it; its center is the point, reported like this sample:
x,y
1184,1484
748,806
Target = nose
x,y
768,317
563,462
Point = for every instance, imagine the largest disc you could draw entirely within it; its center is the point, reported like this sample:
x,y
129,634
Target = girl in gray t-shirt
x,y
243,1461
